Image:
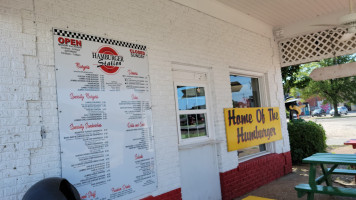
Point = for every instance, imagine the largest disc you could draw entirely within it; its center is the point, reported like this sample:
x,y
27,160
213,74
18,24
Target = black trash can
x,y
54,188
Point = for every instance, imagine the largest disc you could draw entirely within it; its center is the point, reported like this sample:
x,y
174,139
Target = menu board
x,y
104,108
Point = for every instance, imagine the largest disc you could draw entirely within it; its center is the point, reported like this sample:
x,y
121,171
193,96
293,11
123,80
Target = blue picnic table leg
x,y
310,196
327,174
312,183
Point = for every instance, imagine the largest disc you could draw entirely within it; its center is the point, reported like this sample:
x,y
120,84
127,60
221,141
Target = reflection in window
x,y
191,98
192,125
246,94
192,111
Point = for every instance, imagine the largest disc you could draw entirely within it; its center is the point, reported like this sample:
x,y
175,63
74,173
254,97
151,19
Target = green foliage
x,y
306,138
292,79
296,82
333,90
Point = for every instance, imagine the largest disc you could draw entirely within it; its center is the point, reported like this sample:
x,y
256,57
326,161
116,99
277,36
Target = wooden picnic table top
x,y
329,158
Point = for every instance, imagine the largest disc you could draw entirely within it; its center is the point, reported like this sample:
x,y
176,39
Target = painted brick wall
x,y
172,195
252,174
29,137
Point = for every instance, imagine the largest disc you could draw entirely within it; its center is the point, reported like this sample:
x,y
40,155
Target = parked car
x,y
341,110
348,107
295,116
318,112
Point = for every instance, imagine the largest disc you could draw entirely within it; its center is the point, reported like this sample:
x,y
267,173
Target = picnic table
x,y
324,159
351,142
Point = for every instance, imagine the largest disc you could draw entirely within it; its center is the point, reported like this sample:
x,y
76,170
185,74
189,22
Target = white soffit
x,y
229,14
294,16
287,12
303,27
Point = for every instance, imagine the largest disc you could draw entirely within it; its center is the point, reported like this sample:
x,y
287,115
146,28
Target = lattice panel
x,y
315,46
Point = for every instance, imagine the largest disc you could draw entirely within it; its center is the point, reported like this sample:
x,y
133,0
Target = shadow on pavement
x,y
283,188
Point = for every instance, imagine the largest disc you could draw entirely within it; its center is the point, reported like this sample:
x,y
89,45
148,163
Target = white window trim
x,y
209,126
263,94
179,66
255,155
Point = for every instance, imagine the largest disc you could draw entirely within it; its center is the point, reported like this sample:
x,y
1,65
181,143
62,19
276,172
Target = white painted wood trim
x,y
332,72
253,74
199,144
179,66
252,156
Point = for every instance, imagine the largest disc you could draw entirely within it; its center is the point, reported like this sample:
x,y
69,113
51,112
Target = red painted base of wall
x,y
246,177
171,195
254,173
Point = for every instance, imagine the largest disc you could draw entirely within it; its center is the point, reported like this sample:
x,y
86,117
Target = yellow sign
x,y
246,127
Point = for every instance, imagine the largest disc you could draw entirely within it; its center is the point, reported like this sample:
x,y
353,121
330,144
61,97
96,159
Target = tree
x,y
333,90
292,78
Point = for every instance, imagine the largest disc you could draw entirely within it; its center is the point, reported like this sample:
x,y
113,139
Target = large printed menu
x,y
104,116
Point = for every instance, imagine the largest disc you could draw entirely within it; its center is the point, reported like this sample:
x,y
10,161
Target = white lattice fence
x,y
315,46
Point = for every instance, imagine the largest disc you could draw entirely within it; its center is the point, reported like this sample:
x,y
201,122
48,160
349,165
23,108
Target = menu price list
x,y
113,86
94,165
89,81
96,110
140,142
138,83
146,168
134,109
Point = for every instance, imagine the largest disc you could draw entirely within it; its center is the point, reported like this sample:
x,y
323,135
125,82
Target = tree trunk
x,y
332,82
336,112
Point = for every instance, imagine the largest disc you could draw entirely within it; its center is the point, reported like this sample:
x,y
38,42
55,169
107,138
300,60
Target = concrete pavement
x,y
337,129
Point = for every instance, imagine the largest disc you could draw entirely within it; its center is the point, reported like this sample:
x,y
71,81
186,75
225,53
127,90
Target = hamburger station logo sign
x,y
109,61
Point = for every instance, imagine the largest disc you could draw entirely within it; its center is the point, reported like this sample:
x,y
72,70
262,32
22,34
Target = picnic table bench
x,y
323,159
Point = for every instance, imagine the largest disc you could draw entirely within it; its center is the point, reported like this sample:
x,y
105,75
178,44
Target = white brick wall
x,y
29,140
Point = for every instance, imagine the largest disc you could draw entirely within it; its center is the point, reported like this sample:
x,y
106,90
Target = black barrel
x,y
54,188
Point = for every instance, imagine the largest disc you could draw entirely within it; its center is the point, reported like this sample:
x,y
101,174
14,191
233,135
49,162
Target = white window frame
x,y
206,111
263,94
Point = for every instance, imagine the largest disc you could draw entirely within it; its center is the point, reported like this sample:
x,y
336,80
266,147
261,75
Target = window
x,y
192,112
246,94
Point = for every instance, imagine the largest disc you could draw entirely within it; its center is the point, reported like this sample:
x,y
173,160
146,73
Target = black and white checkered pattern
x,y
82,36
